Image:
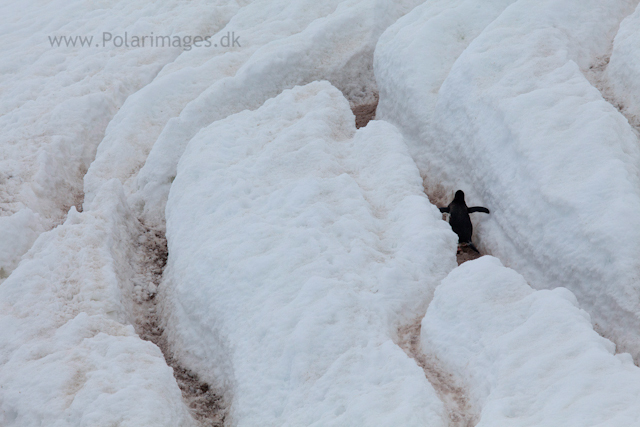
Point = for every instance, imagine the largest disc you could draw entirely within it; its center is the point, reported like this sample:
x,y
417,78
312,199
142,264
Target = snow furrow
x,y
510,118
205,404
450,389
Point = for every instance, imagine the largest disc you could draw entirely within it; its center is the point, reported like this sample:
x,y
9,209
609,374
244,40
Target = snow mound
x,y
515,124
282,45
297,247
528,357
67,354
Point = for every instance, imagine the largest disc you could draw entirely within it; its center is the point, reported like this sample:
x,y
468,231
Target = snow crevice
x,y
204,403
451,392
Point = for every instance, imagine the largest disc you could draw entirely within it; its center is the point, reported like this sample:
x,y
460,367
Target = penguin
x,y
459,218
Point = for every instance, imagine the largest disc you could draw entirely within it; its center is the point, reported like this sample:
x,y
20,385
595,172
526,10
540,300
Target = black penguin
x,y
459,218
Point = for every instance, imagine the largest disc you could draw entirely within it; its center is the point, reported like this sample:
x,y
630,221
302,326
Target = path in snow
x,y
365,112
454,397
205,405
452,394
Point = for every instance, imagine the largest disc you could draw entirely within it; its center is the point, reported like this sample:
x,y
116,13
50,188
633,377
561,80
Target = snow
x,y
513,122
298,247
69,355
283,44
57,101
624,67
303,253
528,357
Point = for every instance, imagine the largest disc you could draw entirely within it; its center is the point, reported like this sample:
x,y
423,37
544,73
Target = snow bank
x,y
297,247
58,100
622,73
414,57
18,232
517,126
528,357
67,354
283,44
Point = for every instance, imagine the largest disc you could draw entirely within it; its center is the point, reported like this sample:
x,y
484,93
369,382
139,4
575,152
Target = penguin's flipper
x,y
444,210
473,247
478,209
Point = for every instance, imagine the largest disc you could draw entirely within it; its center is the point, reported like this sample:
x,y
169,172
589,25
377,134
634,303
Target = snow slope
x,y
297,247
515,124
57,101
68,354
283,44
528,358
624,68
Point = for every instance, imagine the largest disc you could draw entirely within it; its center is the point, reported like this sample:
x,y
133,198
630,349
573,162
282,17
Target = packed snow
x,y
295,315
283,44
303,253
624,68
514,123
69,355
528,358
57,101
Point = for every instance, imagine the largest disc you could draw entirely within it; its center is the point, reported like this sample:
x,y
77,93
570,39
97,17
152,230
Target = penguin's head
x,y
459,196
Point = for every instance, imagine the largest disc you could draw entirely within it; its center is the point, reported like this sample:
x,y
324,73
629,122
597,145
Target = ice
x,y
69,355
298,247
514,123
528,358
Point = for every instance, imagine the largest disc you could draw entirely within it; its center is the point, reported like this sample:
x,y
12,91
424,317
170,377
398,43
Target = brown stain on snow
x,y
206,406
365,112
459,411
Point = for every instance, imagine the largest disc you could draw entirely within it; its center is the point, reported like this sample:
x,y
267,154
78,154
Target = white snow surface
x,y
528,358
511,120
623,72
57,101
297,247
68,354
283,44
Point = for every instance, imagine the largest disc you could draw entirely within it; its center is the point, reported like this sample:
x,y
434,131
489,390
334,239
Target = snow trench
x,y
495,102
301,251
152,90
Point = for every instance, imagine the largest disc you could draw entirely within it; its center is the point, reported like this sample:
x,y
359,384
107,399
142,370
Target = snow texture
x,y
297,247
68,355
528,358
283,44
623,71
512,120
57,101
